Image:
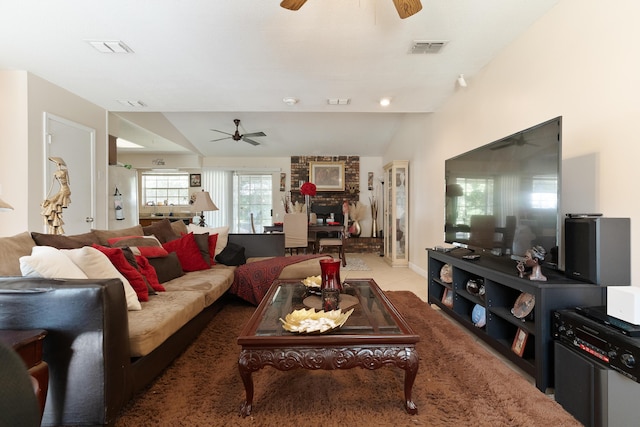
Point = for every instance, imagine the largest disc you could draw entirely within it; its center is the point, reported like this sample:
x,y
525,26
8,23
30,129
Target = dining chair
x,y
296,230
253,225
335,243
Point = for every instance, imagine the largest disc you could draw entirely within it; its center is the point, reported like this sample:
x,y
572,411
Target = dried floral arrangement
x,y
357,211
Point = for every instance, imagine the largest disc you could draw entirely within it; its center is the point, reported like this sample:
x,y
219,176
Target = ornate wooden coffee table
x,y
375,335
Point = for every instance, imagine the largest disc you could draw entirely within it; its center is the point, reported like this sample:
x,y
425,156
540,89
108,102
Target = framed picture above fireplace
x,y
327,176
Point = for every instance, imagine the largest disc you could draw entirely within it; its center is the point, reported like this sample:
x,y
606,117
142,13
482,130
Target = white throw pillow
x,y
222,232
49,262
96,265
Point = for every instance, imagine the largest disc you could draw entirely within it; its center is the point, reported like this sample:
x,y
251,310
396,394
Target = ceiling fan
x,y
405,8
237,137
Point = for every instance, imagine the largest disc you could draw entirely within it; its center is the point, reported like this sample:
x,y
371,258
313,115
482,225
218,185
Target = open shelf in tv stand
x,y
502,288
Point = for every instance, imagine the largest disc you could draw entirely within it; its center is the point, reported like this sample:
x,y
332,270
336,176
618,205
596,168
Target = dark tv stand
x,y
502,287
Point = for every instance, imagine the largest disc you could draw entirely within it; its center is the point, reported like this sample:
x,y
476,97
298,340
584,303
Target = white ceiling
x,y
203,63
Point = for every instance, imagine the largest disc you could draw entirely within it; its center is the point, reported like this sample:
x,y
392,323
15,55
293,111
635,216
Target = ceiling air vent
x,y
424,46
110,46
129,103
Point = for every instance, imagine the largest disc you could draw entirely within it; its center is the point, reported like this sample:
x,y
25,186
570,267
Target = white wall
x,y
578,62
413,143
25,99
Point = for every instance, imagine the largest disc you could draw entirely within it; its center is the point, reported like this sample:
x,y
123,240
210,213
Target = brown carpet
x,y
459,384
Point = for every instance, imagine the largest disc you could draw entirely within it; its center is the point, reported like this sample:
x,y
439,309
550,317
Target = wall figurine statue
x,y
52,206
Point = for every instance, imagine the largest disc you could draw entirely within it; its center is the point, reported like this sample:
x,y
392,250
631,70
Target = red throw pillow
x,y
147,246
134,277
149,272
188,253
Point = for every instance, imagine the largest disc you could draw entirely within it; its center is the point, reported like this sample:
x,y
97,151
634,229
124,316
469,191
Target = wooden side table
x,y
28,344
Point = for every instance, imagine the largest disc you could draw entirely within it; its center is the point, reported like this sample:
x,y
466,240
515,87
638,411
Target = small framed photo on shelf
x,y
195,180
519,341
447,297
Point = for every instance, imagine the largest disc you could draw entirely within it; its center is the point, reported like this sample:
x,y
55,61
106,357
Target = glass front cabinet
x,y
396,213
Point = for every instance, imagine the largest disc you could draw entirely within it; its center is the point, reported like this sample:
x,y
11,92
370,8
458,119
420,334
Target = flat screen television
x,y
504,197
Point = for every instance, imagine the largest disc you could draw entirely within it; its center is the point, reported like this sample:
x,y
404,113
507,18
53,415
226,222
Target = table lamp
x,y
4,206
203,203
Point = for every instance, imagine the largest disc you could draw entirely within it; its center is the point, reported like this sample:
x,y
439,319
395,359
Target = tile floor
x,y
387,277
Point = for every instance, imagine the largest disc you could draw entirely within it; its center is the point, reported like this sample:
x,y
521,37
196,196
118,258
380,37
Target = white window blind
x,y
237,195
219,184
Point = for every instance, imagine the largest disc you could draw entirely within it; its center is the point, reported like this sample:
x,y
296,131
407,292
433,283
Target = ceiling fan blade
x,y
255,134
406,8
219,139
250,141
292,4
500,147
226,133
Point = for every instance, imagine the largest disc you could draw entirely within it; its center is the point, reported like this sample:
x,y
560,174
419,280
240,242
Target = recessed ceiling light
x,y
110,46
385,102
290,100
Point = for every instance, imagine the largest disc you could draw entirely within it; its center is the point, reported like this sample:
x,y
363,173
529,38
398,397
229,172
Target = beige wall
x,y
13,151
578,62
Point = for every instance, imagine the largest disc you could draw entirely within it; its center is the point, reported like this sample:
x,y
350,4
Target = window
x,y
545,192
252,194
165,189
477,200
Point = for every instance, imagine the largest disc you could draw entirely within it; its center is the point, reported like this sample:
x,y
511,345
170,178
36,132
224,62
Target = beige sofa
x,y
99,352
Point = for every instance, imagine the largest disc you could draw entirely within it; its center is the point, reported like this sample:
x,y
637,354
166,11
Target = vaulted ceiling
x,y
199,64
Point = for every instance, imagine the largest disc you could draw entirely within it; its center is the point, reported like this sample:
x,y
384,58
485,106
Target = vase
x,y
374,226
307,200
355,229
330,286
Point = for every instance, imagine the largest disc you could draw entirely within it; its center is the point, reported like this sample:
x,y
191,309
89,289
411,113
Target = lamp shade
x,y
4,206
203,202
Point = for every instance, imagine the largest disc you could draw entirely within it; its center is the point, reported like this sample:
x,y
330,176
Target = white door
x,y
75,144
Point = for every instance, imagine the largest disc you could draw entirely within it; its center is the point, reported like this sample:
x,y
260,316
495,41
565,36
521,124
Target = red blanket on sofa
x,y
252,280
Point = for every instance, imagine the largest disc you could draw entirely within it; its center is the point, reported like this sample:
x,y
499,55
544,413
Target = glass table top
x,y
373,314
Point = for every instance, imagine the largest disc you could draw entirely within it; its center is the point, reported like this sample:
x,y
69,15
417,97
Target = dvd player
x,y
599,314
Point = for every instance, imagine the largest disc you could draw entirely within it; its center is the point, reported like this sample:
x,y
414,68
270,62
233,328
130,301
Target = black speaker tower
x,y
598,249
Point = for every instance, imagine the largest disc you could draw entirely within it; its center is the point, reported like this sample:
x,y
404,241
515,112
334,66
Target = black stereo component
x,y
598,341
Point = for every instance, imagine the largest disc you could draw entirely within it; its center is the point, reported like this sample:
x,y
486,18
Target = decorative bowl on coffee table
x,y
310,321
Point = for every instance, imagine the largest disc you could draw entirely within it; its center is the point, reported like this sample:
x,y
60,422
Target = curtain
x,y
219,184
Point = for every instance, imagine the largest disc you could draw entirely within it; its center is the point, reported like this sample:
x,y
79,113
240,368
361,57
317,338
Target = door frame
x,y
46,164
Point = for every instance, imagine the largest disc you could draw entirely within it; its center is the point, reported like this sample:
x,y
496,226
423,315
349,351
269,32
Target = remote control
x,y
582,215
